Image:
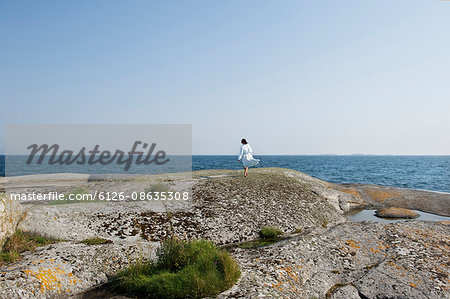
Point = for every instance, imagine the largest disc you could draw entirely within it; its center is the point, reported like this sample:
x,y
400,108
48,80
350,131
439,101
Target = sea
x,y
414,172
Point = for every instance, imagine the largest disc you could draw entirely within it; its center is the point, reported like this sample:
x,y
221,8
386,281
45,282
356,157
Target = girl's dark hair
x,y
243,141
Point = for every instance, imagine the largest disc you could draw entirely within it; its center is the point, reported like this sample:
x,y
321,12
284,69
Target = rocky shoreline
x,y
324,256
361,260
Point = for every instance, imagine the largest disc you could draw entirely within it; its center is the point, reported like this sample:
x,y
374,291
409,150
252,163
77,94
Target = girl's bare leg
x,y
246,171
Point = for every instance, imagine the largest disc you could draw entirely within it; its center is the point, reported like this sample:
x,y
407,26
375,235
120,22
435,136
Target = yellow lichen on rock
x,y
351,191
444,222
394,212
289,280
381,195
51,277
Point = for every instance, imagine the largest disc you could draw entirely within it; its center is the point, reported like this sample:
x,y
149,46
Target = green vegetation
x,y
20,242
269,233
325,223
157,188
96,241
257,243
183,269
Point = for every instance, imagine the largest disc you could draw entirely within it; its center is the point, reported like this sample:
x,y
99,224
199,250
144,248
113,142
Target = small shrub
x,y
325,223
269,233
183,269
96,241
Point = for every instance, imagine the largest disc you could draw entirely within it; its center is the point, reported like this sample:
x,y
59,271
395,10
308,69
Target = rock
x,y
347,292
67,268
341,198
382,197
225,209
328,258
344,205
393,212
364,256
10,214
43,180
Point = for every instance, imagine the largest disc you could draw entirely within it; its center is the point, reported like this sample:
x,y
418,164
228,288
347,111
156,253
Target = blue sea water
x,y
416,172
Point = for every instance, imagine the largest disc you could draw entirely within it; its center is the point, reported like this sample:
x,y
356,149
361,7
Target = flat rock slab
x,y
393,212
347,292
43,180
224,209
381,197
403,260
67,268
113,221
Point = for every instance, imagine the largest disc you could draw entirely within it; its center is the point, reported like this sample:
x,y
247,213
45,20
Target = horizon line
x,y
326,154
3,154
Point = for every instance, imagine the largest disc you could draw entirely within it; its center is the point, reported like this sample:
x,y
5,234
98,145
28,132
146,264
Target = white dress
x,y
246,156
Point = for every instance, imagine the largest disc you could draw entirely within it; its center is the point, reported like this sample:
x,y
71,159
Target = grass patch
x,y
269,233
8,256
20,242
157,188
183,269
96,241
257,243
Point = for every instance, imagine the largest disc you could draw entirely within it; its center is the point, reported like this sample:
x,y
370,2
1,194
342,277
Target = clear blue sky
x,y
293,77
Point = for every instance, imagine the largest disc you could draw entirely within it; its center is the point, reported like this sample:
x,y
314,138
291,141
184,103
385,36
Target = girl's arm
x,y
241,153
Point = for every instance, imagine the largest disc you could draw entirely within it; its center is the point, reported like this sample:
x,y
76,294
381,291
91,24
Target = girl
x,y
246,156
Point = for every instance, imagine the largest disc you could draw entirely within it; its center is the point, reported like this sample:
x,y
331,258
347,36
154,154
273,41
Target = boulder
x,y
67,268
393,212
10,214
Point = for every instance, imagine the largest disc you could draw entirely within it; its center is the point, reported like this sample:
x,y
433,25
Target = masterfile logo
x,y
98,149
95,156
